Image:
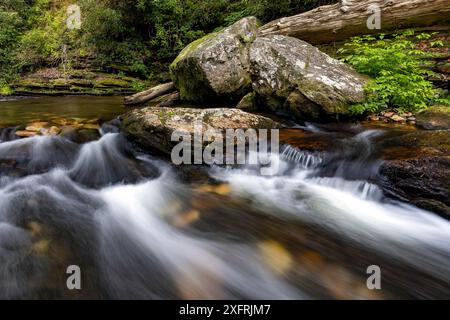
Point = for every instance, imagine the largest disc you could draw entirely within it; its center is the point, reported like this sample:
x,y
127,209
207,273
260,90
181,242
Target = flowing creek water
x,y
139,227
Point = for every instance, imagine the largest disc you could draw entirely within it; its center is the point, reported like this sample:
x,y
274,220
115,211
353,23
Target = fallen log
x,y
169,100
150,94
350,18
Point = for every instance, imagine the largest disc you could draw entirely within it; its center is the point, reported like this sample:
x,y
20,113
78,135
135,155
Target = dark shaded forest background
x,y
138,34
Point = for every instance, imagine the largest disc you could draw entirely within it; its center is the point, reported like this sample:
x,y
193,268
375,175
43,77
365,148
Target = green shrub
x,y
138,86
5,89
13,21
267,10
398,69
32,34
166,27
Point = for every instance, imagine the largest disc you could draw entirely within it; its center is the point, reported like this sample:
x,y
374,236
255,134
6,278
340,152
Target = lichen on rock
x,y
248,102
152,127
285,74
291,75
216,66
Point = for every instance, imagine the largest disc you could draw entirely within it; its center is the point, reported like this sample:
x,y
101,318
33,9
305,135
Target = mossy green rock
x,y
216,67
53,81
434,118
248,102
293,76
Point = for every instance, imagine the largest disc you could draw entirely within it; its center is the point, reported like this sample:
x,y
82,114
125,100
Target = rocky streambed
x,y
411,163
84,181
344,200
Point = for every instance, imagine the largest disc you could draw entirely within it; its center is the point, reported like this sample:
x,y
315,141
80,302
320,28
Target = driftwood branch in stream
x,y
350,18
150,94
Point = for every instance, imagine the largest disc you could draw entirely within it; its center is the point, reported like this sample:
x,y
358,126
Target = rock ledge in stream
x,y
434,118
425,182
417,169
152,127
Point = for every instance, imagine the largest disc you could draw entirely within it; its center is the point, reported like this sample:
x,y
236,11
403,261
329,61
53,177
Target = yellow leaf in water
x,y
311,260
276,256
186,219
41,246
205,188
222,189
35,228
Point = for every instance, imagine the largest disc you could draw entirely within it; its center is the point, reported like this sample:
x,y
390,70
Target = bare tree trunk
x,y
145,96
357,17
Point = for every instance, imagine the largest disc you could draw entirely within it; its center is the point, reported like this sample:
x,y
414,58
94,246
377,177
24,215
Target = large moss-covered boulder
x,y
152,127
216,67
293,76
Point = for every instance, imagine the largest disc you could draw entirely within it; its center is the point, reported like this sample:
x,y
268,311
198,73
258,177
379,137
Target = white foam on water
x,y
354,209
134,212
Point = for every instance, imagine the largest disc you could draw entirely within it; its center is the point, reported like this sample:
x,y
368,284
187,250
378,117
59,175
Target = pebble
x,y
25,134
391,116
54,130
397,118
36,126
